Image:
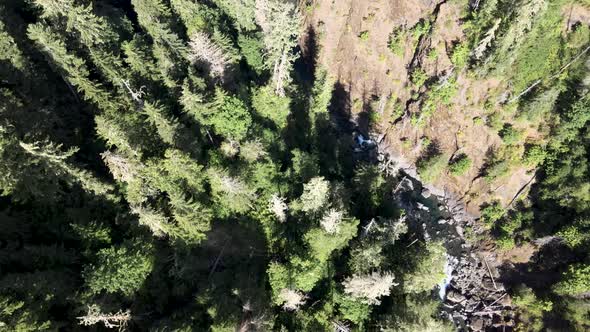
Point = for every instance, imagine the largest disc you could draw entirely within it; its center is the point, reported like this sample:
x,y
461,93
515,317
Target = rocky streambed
x,y
472,296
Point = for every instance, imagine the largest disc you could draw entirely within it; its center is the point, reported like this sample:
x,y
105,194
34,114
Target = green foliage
x,y
397,40
364,36
539,54
242,11
322,243
419,77
353,310
420,29
271,106
432,54
415,313
132,179
9,50
253,51
510,135
195,16
575,281
460,164
575,235
534,155
228,117
73,68
431,167
491,213
530,308
429,271
577,313
460,55
119,269
442,93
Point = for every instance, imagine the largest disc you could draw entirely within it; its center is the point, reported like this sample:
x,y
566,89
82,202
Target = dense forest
x,y
186,165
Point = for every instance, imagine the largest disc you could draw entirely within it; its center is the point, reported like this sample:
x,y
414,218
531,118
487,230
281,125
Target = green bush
x,y
576,281
460,55
459,165
431,167
505,242
496,170
364,36
530,308
420,29
419,77
534,155
397,40
492,213
510,135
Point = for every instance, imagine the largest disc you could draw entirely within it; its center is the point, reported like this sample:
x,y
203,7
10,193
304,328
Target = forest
x,y
198,165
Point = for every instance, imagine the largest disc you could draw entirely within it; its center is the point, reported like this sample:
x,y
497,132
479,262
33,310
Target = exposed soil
x,y
370,72
353,39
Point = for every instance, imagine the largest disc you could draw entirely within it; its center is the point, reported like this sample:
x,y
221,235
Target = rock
x,y
455,297
442,221
422,207
459,230
426,193
477,324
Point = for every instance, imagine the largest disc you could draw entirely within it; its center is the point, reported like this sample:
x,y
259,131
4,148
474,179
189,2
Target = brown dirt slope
x,y
353,38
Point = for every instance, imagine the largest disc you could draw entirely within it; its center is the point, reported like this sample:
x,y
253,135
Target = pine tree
x,y
121,269
72,68
10,52
242,11
280,23
169,50
34,170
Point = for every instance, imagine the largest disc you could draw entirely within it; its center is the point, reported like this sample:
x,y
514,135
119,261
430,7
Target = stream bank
x,y
472,296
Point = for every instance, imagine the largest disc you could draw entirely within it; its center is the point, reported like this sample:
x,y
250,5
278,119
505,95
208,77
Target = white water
x,y
442,287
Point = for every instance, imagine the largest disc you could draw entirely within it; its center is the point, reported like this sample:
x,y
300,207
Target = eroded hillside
x,y
403,66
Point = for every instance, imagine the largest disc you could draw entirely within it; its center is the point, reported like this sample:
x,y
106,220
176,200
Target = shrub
x,y
530,308
460,55
505,242
534,155
419,77
431,167
397,40
510,135
576,280
492,213
432,54
420,29
496,170
494,121
364,36
460,165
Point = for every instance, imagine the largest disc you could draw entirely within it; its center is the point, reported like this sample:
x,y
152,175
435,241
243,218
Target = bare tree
x,y
291,299
204,49
94,315
483,45
278,207
315,194
154,220
121,168
369,288
331,221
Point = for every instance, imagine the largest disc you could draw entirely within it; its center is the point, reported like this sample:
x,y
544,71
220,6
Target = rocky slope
x,y
473,298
